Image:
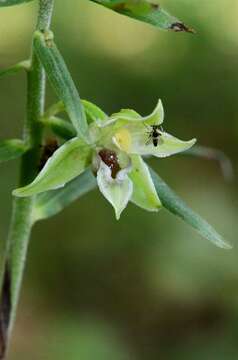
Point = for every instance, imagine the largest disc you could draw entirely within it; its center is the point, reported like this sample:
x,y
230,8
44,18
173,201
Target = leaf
x,y
52,202
12,70
11,149
69,161
177,206
60,127
12,2
147,11
61,80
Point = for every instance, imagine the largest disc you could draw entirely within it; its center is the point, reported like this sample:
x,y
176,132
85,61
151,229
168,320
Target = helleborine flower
x,y
115,153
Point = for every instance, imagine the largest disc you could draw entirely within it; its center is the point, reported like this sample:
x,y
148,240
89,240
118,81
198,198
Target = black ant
x,y
155,133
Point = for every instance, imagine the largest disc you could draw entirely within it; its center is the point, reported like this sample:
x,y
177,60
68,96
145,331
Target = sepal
x,y
69,161
144,192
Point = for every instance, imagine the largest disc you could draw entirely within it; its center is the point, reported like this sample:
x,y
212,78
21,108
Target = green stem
x,y
45,14
21,223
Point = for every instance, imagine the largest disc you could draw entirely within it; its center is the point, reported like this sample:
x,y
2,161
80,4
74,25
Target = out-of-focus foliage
x,y
11,149
149,281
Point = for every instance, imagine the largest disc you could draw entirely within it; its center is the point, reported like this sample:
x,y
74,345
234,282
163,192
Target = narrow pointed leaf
x,y
177,206
12,2
61,80
69,161
148,11
11,149
60,127
12,70
52,202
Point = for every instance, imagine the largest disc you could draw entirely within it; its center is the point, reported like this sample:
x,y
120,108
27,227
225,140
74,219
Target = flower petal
x,y
117,191
122,116
135,139
144,193
168,145
127,115
157,116
69,161
93,112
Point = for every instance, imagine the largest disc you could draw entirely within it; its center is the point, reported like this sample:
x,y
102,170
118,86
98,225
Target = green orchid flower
x,y
115,152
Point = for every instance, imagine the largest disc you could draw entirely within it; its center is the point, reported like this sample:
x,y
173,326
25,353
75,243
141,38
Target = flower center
x,y
110,158
123,139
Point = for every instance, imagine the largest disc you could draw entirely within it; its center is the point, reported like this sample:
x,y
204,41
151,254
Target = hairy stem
x,y
21,222
45,14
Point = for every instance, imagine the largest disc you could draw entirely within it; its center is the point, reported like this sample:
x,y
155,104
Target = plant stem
x,y
21,222
45,14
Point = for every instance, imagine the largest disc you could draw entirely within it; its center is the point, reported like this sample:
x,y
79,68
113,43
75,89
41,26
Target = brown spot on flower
x,y
110,158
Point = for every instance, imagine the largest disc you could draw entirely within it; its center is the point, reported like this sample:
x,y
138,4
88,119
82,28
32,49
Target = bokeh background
x,y
147,287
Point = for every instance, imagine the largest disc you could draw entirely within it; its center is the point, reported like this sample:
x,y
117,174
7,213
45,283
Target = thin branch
x,y
21,223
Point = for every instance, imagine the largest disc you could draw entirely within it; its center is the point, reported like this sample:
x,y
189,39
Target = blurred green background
x,y
146,287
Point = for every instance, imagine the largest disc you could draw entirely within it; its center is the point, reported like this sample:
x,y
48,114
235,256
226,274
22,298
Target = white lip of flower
x,y
118,190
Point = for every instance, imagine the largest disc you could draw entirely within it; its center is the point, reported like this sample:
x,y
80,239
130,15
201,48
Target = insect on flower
x,y
154,135
118,144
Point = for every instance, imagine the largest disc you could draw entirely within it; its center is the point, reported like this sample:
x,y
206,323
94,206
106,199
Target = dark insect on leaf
x,y
179,26
148,11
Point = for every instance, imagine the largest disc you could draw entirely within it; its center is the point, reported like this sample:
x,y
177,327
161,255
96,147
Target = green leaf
x,y
11,149
177,206
61,80
12,2
63,128
12,70
60,127
69,161
147,11
55,109
52,202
